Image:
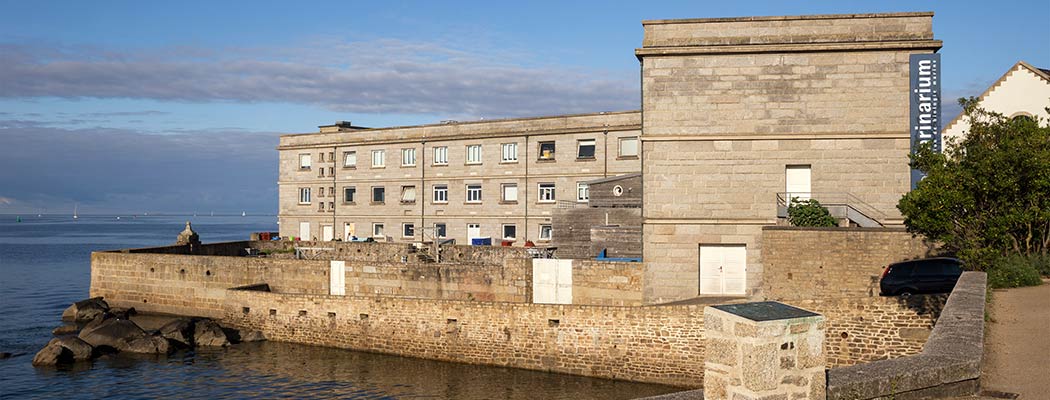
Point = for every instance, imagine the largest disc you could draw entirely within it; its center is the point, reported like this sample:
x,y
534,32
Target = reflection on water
x,y
44,266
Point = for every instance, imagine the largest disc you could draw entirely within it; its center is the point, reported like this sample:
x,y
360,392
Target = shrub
x,y
1042,264
809,213
1013,271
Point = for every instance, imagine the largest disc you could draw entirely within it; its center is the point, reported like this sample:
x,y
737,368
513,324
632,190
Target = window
x,y
349,159
320,192
378,158
408,157
473,193
408,194
510,152
331,156
629,146
304,195
474,154
585,148
331,171
320,206
331,191
377,230
440,230
441,155
441,193
545,231
546,150
510,232
510,192
546,193
378,194
349,193
321,156
304,161
320,172
582,192
408,230
331,206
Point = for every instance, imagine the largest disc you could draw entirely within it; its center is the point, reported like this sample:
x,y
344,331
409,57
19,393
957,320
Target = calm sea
x,y
45,265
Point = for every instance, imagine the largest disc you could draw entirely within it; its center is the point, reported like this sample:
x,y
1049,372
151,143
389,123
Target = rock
x,y
112,333
65,330
5,355
206,333
153,344
179,332
123,313
253,336
79,349
85,310
53,354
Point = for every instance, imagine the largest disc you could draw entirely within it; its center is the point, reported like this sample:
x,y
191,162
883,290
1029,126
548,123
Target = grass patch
x,y
1015,271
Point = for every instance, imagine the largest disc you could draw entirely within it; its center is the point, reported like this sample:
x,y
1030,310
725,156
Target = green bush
x,y
809,213
1042,264
1014,271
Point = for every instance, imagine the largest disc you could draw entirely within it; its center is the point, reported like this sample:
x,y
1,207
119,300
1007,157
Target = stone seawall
x,y
657,344
607,283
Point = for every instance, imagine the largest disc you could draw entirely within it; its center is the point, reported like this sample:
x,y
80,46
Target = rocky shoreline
x,y
93,330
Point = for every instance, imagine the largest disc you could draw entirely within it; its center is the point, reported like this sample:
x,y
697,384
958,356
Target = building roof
x,y
1040,72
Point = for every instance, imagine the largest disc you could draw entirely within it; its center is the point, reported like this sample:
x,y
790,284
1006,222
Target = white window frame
x,y
583,192
408,157
305,161
372,196
637,147
473,188
549,229
404,230
503,232
440,193
547,191
378,158
304,195
380,232
441,155
539,150
583,142
473,154
442,232
509,153
353,196
405,191
503,192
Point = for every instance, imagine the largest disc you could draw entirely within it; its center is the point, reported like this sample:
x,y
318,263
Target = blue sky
x,y
176,106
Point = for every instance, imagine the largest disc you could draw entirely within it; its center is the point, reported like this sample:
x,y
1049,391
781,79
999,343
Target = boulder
x,y
206,333
79,349
152,344
123,313
179,332
5,355
113,333
53,354
85,310
65,330
252,336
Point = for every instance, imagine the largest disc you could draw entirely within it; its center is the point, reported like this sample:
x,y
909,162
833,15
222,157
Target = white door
x,y
473,231
327,233
348,231
304,230
551,281
723,270
798,181
337,278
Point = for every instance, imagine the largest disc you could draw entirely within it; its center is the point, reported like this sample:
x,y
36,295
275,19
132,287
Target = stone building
x,y
610,220
1023,91
461,180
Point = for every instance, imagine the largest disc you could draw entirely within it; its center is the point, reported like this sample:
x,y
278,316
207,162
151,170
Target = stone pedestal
x,y
766,350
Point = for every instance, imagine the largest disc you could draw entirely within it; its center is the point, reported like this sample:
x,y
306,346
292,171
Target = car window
x,y
929,268
951,268
902,270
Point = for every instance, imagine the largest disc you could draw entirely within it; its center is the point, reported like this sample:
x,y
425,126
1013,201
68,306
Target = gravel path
x,y
1017,345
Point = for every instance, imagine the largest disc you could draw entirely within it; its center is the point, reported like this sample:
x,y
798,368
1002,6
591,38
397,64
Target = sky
x,y
123,107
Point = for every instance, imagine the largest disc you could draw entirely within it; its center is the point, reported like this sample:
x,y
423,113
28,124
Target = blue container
x,y
485,241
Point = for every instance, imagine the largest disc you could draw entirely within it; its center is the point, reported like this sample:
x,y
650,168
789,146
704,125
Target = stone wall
x,y
817,263
395,252
510,281
606,283
660,344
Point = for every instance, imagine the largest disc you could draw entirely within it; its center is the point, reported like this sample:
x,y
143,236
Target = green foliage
x,y
1014,271
809,213
988,195
1042,264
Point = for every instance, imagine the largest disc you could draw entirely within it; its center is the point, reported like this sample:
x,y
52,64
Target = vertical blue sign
x,y
925,95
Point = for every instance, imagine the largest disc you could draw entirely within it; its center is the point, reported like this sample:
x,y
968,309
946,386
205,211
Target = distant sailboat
x,y
243,214
75,216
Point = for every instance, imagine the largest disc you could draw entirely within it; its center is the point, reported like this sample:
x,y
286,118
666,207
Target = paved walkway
x,y
1017,345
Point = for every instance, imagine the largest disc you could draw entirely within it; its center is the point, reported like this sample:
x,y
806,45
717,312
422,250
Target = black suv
x,y
928,275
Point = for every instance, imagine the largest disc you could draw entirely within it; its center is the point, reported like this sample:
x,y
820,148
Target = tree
x,y
809,213
988,195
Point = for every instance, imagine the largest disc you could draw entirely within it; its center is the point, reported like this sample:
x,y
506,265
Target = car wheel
x,y
905,293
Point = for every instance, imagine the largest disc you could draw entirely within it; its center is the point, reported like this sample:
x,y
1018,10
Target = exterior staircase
x,y
843,206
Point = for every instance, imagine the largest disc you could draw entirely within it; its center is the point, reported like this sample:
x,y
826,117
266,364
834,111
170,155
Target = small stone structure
x,y
610,220
189,237
765,350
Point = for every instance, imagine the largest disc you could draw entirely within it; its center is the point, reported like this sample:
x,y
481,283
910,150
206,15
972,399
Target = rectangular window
x,y
510,152
510,232
320,192
441,155
474,154
378,158
440,230
331,156
331,191
304,161
473,193
378,194
377,230
320,172
408,230
545,231
349,193
629,146
304,195
320,206
546,193
349,159
331,206
510,192
321,156
408,194
408,157
331,171
441,193
582,192
585,148
546,151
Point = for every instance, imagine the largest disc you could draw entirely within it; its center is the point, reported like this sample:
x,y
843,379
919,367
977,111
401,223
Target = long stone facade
x,y
733,107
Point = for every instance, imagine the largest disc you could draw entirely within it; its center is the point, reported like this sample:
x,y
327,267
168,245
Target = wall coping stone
x,y
787,18
831,229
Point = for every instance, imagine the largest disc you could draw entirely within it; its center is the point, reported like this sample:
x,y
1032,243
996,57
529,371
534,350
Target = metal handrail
x,y
834,199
